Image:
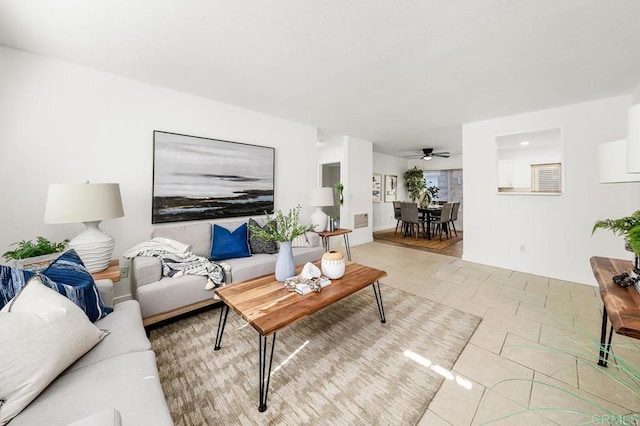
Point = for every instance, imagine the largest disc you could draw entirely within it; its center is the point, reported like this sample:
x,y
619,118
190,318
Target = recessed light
x,y
523,143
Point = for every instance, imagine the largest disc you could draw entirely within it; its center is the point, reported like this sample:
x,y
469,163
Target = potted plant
x,y
414,182
339,187
629,227
282,229
34,254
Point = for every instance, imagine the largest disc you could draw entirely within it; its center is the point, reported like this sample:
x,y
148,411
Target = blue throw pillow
x,y
11,282
73,281
228,245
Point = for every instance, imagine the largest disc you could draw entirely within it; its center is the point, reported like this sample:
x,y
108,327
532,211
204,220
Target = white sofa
x,y
165,297
114,383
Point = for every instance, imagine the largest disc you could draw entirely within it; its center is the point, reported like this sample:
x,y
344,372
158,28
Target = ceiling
x,y
403,74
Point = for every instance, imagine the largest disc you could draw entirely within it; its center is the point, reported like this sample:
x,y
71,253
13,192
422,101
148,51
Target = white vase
x,y
333,265
285,265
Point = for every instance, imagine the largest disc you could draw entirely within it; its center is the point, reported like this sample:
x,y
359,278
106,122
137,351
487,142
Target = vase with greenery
x,y
414,182
339,187
628,227
282,229
40,247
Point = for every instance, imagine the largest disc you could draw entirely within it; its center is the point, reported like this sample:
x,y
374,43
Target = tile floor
x,y
532,358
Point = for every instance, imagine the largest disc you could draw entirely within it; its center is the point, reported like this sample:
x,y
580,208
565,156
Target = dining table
x,y
427,213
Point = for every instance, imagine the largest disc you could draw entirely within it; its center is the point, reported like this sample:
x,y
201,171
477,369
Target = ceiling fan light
x,y
426,158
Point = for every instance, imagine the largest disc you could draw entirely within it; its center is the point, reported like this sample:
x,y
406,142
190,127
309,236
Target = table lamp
x,y
319,198
89,203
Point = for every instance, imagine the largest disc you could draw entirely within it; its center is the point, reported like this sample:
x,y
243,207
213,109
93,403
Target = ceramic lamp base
x,y
319,220
94,247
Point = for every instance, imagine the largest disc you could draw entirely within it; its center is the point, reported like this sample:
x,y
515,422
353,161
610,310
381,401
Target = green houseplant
x,y
40,247
628,227
414,182
282,229
433,191
339,187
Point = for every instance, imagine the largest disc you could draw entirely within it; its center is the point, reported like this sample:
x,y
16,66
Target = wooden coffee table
x,y
268,307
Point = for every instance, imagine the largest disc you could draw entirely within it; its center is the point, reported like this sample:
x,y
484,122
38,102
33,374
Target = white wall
x,y
556,230
357,187
60,123
384,164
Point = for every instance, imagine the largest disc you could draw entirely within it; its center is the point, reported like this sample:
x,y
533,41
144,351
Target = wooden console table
x,y
621,304
112,272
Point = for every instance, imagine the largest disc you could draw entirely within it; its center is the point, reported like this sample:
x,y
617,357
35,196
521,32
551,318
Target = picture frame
x,y
197,178
376,188
390,188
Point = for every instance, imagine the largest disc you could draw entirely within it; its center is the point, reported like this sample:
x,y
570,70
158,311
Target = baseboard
x,y
357,242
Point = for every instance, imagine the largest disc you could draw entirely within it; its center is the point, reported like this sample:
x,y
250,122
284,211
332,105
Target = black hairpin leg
x,y
604,350
221,323
265,375
347,246
378,294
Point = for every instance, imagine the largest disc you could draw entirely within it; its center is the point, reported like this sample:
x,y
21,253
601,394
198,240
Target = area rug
x,y
433,244
338,366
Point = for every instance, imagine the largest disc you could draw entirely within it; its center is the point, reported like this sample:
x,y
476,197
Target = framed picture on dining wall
x,y
376,188
390,188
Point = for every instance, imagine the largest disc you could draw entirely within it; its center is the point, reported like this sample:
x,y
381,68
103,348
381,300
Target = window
x,y
449,182
546,177
530,162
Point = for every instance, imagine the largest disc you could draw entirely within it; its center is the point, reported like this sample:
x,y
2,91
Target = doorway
x,y
330,177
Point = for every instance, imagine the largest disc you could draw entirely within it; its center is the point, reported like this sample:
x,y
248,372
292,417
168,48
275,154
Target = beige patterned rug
x,y
338,366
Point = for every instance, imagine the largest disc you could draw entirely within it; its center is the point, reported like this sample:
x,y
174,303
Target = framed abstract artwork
x,y
376,189
390,188
197,178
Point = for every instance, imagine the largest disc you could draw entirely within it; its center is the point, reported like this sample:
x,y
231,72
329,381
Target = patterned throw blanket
x,y
177,260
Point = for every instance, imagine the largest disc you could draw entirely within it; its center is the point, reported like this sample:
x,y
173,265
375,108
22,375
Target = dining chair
x,y
410,219
397,214
445,217
454,216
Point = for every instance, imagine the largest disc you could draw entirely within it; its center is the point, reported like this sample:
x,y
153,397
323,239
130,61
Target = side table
x,y
325,235
111,273
621,304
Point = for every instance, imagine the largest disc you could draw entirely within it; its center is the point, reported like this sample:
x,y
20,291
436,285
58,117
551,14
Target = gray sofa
x,y
164,297
114,383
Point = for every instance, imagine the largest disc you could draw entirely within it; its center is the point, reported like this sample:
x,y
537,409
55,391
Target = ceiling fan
x,y
428,154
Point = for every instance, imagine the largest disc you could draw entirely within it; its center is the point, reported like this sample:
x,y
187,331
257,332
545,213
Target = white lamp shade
x,y
89,203
83,202
633,140
321,197
612,164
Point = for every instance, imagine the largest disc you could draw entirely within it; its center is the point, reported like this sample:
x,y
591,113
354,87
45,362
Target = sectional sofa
x,y
115,383
163,297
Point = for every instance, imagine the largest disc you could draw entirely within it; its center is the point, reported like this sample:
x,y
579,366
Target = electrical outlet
x,y
124,272
523,248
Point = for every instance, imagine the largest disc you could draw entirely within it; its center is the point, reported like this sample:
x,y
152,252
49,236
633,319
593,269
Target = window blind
x,y
546,177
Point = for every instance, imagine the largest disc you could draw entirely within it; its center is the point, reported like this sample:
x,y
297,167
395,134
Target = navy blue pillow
x,y
228,245
73,281
11,282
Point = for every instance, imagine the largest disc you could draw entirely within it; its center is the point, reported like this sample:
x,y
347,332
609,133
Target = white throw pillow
x,y
41,334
